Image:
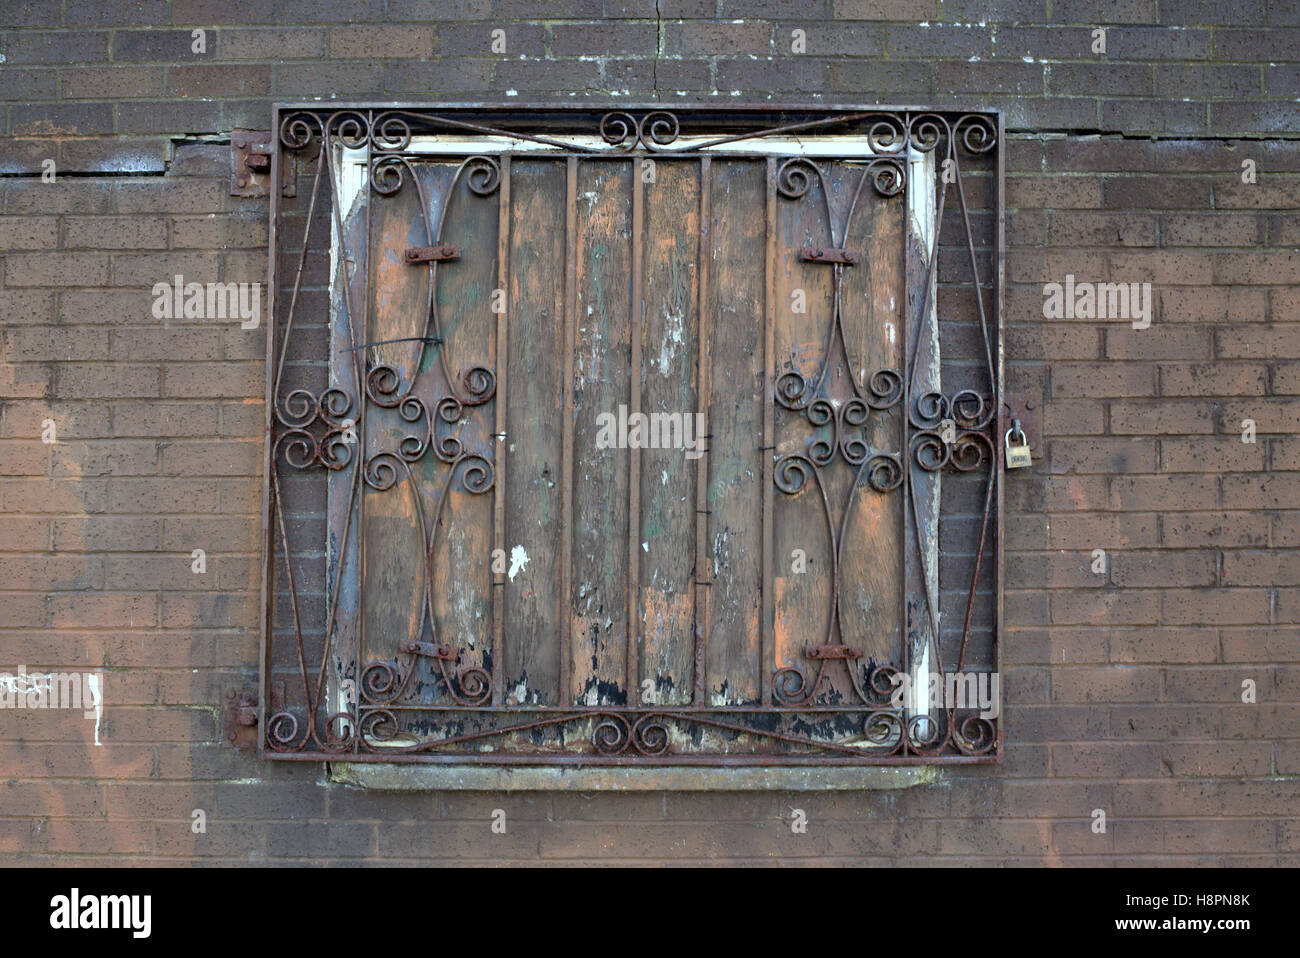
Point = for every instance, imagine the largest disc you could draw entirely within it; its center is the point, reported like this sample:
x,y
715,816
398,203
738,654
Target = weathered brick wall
x,y
1123,689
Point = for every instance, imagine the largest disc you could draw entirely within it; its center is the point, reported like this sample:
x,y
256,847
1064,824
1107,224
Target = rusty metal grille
x,y
459,571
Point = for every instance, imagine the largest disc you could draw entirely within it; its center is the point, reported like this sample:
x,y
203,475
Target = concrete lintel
x,y
392,777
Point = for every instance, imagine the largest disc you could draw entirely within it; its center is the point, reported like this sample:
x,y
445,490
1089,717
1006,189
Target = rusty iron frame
x,y
306,431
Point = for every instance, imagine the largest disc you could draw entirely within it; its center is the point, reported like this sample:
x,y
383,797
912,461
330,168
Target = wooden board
x,y
631,576
736,305
599,587
534,434
670,247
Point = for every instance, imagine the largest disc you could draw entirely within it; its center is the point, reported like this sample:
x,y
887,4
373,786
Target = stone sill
x,y
666,778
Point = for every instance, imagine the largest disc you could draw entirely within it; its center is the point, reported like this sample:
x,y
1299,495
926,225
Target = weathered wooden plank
x,y
397,295
805,523
735,324
703,582
636,312
564,694
534,433
669,353
501,364
767,657
462,553
599,594
872,304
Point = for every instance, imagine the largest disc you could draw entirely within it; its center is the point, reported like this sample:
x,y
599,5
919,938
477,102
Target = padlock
x,y
1018,455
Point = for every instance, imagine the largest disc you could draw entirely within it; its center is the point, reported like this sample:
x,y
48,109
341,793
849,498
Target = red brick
x,y
1215,760
1114,683
1260,567
1163,417
1165,645
106,610
1163,723
1182,304
1215,606
1209,229
1109,606
1278,644
1266,342
1102,379
1214,529
1169,568
1172,492
1102,530
1210,455
1110,759
1278,491
1102,455
1213,379
1159,342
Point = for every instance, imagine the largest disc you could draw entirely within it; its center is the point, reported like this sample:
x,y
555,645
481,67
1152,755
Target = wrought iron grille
x,y
459,571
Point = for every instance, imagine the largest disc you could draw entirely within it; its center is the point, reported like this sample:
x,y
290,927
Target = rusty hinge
x,y
829,254
242,715
250,165
448,652
832,652
429,254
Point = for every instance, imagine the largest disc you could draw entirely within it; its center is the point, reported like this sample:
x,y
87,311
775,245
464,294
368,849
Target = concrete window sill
x,y
392,777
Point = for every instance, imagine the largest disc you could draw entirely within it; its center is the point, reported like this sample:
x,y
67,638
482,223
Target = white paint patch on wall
x,y
97,697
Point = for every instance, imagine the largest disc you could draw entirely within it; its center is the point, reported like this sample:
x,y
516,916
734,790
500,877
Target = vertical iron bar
x,y
499,439
634,455
570,346
909,267
702,395
355,497
363,394
768,450
272,279
998,557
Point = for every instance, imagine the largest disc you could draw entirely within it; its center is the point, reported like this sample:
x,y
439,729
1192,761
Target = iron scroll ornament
x,y
967,447
301,448
887,133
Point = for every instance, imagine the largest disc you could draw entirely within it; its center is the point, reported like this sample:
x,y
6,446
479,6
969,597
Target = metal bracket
x,y
447,652
430,254
250,165
832,652
1028,412
239,728
829,254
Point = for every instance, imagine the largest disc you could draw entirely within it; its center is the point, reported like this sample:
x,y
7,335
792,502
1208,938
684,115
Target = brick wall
x,y
1123,689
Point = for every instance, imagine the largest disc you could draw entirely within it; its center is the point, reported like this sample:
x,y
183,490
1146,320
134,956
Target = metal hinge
x,y
448,653
250,165
829,254
832,652
432,254
241,714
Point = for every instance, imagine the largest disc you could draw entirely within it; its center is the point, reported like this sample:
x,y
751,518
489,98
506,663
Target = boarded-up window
x,y
643,438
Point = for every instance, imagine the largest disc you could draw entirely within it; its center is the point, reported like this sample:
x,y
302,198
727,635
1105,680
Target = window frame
x,y
921,207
